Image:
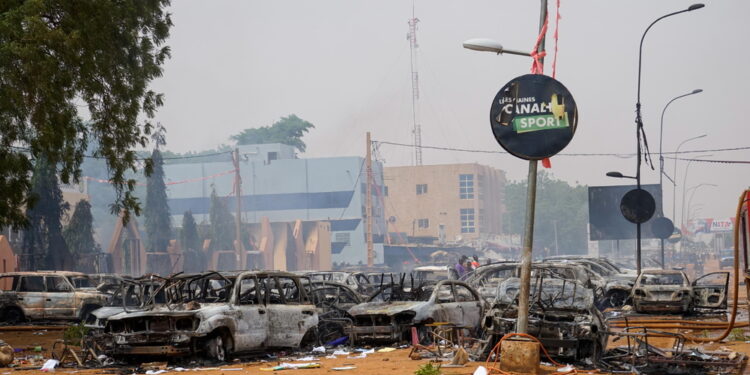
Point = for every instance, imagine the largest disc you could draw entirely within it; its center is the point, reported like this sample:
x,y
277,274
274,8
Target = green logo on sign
x,y
548,121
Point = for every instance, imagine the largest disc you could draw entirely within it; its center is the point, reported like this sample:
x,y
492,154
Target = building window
x,y
385,190
423,223
273,155
343,237
421,189
467,220
466,186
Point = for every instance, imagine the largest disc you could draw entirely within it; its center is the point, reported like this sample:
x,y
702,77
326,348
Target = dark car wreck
x,y
391,312
562,315
215,314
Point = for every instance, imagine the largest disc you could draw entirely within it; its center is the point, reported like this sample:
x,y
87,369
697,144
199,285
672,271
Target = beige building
x,y
459,201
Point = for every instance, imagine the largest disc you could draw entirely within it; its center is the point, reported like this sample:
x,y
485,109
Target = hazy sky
x,y
344,66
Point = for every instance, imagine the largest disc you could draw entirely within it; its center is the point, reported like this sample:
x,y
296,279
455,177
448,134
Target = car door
x,y
60,301
290,315
31,295
470,305
252,322
710,291
447,310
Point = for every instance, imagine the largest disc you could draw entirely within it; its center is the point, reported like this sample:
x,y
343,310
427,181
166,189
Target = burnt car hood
x,y
387,308
206,309
107,312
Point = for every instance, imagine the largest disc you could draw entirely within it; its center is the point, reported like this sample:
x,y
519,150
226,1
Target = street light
x,y
684,189
674,180
490,45
639,120
619,175
661,161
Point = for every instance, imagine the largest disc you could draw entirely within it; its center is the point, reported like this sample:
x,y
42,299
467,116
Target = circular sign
x,y
637,206
662,227
676,236
533,117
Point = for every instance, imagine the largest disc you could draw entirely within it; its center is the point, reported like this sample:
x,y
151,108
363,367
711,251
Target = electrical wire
x,y
621,155
26,149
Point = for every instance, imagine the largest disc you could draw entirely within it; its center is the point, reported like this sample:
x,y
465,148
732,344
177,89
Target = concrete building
x,y
278,185
451,202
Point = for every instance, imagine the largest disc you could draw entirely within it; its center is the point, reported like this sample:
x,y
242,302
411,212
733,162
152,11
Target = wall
x,y
442,203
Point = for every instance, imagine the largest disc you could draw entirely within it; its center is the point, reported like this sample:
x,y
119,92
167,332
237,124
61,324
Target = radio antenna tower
x,y
417,130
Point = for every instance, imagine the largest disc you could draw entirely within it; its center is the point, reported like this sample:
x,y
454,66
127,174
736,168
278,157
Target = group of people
x,y
466,265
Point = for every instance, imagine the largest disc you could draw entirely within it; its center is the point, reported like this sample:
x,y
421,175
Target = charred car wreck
x,y
562,315
393,310
214,314
671,291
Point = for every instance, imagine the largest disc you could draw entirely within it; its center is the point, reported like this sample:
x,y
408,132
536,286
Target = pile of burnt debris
x,y
222,316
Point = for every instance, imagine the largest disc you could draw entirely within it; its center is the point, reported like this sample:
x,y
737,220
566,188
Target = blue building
x,y
278,185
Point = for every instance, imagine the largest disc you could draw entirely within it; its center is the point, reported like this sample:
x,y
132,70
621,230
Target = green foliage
x,y
428,369
57,56
75,333
43,243
158,226
289,131
738,334
79,236
222,224
557,203
195,260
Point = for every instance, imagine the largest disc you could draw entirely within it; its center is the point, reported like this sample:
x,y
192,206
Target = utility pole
x,y
522,324
238,246
368,203
557,248
417,130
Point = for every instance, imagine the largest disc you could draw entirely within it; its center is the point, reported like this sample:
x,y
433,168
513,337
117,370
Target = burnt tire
x,y
218,347
616,298
12,315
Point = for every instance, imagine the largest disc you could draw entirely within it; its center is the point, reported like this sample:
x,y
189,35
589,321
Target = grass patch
x,y
428,369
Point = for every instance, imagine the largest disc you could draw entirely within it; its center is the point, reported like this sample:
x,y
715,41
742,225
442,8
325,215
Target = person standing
x,y
461,267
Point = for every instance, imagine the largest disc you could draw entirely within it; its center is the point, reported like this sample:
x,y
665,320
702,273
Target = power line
x,y
26,149
620,155
712,161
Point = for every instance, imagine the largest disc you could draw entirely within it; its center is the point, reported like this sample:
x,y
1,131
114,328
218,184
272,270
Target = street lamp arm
x,y
661,127
640,49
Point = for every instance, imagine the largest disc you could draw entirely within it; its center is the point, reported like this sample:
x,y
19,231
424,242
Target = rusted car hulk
x,y
671,291
562,316
215,314
390,314
46,295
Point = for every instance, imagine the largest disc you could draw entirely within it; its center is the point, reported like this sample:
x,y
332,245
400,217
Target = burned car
x,y
394,309
214,314
355,280
671,291
333,300
47,295
562,315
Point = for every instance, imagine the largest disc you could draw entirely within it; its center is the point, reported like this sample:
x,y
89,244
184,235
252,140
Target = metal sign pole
x,y
522,324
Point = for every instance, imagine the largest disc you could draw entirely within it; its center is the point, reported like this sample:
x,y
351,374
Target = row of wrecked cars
x,y
221,314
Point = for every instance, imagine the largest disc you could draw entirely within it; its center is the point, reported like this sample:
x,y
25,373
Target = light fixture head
x,y
695,7
697,91
483,44
615,174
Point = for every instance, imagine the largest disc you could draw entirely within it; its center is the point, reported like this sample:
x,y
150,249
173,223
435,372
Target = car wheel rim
x,y
218,346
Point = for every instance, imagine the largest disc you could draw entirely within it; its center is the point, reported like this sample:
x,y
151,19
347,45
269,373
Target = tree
x,y
59,55
79,237
158,226
195,260
289,131
557,205
43,244
222,224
